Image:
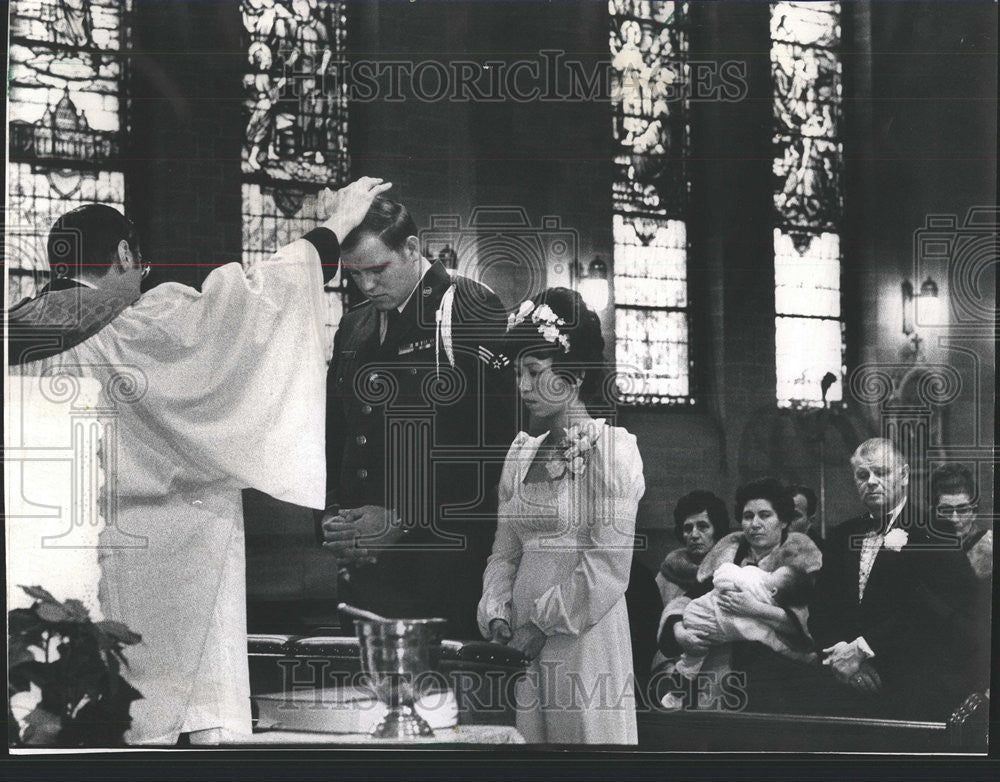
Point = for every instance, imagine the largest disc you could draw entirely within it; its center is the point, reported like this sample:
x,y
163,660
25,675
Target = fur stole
x,y
797,550
678,568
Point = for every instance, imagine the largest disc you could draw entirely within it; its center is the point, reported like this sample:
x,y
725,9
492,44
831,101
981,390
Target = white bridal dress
x,y
561,560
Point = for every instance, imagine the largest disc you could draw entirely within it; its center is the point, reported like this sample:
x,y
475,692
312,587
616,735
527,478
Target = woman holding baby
x,y
748,611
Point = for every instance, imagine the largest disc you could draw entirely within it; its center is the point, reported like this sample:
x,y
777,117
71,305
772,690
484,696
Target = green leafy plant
x,y
84,700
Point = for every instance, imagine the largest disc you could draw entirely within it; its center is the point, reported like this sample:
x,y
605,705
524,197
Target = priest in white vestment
x,y
210,392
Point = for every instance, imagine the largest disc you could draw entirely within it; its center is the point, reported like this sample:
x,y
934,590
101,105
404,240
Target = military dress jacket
x,y
421,424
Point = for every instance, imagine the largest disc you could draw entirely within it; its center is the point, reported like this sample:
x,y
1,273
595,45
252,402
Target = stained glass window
x,y
295,110
650,192
66,114
808,200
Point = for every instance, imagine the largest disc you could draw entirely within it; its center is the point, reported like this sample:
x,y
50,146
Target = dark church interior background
x,y
757,193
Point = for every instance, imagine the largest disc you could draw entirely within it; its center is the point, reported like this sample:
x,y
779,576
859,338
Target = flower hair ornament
x,y
549,324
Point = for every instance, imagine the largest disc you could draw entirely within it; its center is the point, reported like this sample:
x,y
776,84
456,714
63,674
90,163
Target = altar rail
x,y
723,731
483,675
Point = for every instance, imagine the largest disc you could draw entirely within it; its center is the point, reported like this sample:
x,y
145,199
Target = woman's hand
x,y
528,640
500,631
740,603
690,641
348,206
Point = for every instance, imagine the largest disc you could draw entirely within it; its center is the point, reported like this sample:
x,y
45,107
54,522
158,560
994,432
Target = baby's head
x,y
790,586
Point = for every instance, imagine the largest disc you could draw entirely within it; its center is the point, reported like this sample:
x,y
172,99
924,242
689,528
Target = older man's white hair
x,y
877,449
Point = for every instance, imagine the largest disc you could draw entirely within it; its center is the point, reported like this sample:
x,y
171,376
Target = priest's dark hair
x,y
389,221
85,240
582,328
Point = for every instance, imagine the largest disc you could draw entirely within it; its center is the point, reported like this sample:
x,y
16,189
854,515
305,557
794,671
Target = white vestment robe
x,y
208,393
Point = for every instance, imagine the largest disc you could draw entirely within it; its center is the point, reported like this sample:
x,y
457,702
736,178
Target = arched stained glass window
x,y
650,190
67,122
808,200
295,138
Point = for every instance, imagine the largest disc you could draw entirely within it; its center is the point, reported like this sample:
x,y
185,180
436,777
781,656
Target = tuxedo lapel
x,y
852,561
883,577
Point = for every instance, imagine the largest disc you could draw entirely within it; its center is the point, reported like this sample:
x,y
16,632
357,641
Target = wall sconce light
x,y
594,285
924,303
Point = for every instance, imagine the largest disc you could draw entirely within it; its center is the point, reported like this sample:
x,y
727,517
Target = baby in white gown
x,y
706,617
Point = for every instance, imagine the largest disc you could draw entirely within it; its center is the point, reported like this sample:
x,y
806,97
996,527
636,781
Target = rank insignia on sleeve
x,y
493,360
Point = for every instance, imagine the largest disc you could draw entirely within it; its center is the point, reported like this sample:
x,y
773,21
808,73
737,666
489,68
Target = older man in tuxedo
x,y
891,613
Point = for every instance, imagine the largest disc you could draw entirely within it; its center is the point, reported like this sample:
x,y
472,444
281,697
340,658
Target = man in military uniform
x,y
420,413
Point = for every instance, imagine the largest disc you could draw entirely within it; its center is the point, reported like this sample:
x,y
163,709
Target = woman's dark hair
x,y
583,330
389,221
695,502
772,490
86,239
952,479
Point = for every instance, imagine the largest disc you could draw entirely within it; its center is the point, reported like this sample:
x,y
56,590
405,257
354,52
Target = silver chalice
x,y
395,653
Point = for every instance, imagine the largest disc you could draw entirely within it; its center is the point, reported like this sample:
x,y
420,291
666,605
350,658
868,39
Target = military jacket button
x,y
362,473
413,370
361,439
366,409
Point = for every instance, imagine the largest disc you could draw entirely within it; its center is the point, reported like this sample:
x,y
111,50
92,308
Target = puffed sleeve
x,y
498,578
614,487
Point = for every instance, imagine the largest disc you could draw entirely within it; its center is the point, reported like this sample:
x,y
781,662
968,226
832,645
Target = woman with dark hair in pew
x,y
755,584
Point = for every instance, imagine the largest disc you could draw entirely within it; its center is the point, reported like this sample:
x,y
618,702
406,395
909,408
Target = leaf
x,y
30,671
77,610
39,594
22,621
42,728
52,612
119,632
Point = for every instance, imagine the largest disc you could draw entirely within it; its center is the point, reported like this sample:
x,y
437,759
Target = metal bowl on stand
x,y
396,654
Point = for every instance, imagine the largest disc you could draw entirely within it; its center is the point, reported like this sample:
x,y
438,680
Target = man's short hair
x,y
877,445
389,221
86,239
809,494
952,479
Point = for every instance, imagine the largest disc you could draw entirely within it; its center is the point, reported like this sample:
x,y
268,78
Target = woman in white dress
x,y
554,586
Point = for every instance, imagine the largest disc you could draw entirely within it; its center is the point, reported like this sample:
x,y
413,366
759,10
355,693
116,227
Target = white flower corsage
x,y
895,539
580,445
549,324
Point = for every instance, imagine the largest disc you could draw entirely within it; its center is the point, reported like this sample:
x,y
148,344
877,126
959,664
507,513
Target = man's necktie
x,y
393,318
